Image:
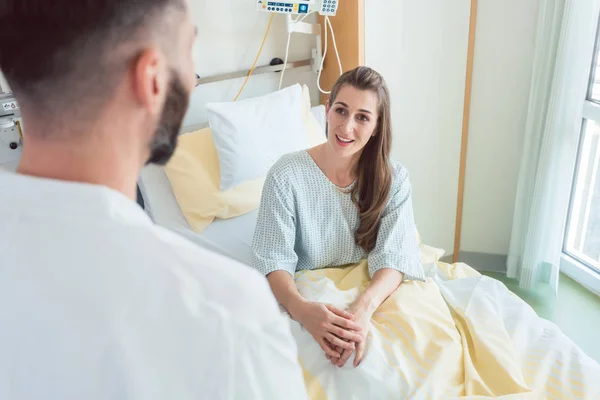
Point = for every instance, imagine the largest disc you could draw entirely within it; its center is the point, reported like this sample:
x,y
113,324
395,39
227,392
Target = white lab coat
x,y
98,303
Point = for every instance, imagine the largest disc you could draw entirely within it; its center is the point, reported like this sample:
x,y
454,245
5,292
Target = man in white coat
x,y
95,301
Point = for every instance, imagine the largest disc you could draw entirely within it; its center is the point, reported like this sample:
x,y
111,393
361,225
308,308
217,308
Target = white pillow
x,y
251,135
319,113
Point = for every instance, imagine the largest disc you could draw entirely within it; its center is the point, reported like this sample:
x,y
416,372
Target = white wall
x,y
230,34
420,47
501,82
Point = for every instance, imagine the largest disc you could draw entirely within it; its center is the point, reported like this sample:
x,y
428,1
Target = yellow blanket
x,y
457,335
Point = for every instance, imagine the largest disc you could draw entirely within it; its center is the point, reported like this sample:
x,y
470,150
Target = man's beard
x,y
164,142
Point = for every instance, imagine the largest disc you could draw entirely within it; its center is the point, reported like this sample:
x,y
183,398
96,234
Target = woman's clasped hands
x,y
338,332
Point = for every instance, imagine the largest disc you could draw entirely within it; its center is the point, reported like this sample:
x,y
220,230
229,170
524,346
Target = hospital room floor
x,y
576,310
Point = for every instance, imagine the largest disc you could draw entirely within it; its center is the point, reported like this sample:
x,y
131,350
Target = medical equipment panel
x,y
288,7
328,7
324,7
11,136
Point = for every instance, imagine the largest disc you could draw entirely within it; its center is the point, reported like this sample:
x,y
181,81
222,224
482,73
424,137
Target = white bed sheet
x,y
231,237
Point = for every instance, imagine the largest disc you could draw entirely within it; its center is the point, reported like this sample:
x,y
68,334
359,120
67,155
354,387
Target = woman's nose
x,y
349,125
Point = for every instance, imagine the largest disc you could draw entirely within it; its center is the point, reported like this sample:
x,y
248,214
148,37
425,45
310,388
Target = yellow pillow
x,y
194,174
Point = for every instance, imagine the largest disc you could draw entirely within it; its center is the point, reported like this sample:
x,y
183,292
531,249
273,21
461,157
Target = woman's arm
x,y
384,283
285,291
397,245
330,326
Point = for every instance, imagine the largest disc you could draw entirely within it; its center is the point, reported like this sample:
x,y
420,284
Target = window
x,y
582,238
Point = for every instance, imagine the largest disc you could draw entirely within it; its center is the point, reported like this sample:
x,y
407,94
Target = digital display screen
x,y
289,7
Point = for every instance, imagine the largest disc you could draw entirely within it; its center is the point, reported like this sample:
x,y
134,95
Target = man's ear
x,y
150,80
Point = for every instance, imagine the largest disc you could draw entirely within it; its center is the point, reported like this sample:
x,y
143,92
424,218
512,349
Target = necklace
x,y
346,190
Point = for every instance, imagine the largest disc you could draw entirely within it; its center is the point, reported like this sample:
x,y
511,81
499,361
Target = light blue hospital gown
x,y
305,222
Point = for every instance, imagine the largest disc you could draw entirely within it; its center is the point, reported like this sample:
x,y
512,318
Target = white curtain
x,y
564,48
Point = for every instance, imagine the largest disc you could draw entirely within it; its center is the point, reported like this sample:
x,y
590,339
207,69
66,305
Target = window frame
x,y
591,113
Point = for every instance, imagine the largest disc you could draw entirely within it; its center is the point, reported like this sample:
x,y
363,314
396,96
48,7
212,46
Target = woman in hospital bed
x,y
337,241
337,204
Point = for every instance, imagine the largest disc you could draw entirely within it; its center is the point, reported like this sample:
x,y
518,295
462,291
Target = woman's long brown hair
x,y
374,171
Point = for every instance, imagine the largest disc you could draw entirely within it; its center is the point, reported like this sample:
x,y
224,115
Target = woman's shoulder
x,y
399,171
400,176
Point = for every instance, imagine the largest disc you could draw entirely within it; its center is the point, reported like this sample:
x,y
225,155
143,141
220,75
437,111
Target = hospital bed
x,y
466,337
457,335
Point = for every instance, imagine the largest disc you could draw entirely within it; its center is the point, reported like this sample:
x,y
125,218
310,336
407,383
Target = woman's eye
x,y
340,111
362,118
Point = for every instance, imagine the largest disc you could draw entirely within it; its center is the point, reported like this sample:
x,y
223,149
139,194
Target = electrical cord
x,y
257,57
323,61
306,16
328,25
337,53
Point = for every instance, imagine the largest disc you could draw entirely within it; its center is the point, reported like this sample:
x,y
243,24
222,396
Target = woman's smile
x,y
343,141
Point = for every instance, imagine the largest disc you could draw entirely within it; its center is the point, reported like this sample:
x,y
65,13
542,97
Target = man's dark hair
x,y
73,51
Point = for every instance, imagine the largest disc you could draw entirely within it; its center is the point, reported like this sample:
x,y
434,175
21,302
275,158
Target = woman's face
x,y
352,120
